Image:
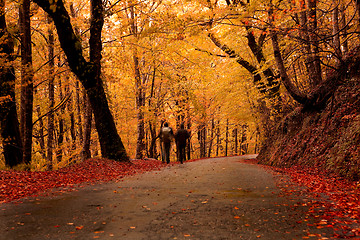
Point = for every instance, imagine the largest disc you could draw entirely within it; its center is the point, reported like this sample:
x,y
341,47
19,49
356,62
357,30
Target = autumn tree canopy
x,y
227,69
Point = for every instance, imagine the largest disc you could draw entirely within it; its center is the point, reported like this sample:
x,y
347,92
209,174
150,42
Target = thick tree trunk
x,y
26,80
88,74
9,125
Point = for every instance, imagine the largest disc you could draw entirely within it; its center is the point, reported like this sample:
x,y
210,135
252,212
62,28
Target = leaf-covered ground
x,y
18,184
333,202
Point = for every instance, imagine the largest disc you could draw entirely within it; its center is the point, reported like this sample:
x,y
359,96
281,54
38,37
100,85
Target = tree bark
x,y
218,140
245,64
88,74
336,35
50,137
312,27
345,46
41,138
60,139
285,79
317,98
211,136
235,134
86,153
140,99
9,125
26,80
226,137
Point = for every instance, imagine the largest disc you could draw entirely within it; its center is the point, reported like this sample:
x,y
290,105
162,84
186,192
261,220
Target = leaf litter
x,y
15,185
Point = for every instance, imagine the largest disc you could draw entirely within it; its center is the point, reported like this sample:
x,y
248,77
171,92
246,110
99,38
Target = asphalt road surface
x,y
217,198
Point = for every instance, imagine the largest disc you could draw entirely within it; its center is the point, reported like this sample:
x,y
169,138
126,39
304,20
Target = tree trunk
x,y
259,84
336,35
285,79
358,10
315,59
41,134
188,141
345,46
140,101
211,136
26,79
86,153
60,138
50,138
235,133
218,142
320,94
226,137
9,125
79,112
77,90
202,139
88,74
152,122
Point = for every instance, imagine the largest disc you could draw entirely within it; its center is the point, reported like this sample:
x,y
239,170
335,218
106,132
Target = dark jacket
x,y
181,136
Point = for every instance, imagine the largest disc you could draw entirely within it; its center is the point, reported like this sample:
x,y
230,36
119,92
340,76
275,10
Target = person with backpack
x,y
166,136
181,137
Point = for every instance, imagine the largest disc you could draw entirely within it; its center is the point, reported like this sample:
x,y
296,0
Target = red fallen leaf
x,y
79,227
57,226
336,200
18,184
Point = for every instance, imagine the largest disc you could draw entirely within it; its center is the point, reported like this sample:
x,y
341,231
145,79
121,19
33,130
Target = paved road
x,y
218,198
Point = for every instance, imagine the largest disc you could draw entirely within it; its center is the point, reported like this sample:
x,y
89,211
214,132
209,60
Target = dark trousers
x,y
165,152
181,153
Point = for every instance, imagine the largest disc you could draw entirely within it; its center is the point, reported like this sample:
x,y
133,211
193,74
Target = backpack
x,y
166,134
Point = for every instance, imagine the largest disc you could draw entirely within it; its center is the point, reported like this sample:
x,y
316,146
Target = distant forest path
x,y
216,198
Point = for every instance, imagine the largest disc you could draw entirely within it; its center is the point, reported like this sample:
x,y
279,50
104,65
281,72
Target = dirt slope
x,y
328,139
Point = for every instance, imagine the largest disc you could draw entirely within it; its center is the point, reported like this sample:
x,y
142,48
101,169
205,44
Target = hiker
x,y
166,136
181,137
